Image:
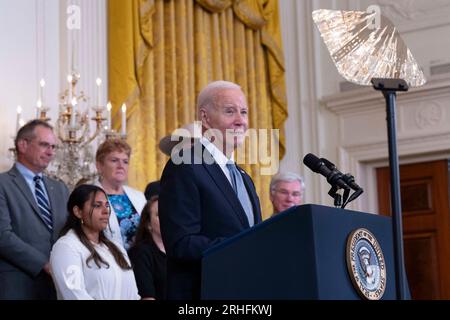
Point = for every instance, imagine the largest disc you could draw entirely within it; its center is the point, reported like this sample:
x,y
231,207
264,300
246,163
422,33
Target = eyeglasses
x,y
44,145
286,193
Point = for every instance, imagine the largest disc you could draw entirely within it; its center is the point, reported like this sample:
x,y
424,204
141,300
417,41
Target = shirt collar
x,y
27,173
217,154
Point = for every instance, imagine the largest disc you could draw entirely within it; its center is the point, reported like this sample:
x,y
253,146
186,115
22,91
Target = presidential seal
x,y
365,264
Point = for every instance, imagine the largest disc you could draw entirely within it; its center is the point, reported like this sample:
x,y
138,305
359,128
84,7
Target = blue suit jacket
x,y
198,208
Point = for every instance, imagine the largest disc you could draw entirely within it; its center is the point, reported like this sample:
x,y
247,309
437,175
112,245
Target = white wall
x,y
314,96
35,42
22,61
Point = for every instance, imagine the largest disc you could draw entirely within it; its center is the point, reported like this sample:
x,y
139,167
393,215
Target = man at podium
x,y
205,198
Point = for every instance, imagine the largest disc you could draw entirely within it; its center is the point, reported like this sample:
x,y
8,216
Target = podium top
x,y
282,215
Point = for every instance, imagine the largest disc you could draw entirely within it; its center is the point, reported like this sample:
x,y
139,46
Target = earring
x,y
82,221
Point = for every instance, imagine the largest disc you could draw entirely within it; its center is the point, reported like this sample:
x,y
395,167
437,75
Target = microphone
x,y
348,178
333,175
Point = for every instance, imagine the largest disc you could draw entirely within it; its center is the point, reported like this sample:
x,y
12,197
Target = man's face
x,y
286,195
229,116
36,153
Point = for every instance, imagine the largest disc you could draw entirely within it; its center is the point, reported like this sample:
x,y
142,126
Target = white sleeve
x,y
67,272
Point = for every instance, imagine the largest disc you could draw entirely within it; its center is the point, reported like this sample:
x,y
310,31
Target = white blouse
x,y
74,280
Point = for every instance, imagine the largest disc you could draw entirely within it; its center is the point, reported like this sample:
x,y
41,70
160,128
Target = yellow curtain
x,y
163,52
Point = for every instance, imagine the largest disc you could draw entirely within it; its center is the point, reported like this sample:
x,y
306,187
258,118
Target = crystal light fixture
x,y
361,50
74,161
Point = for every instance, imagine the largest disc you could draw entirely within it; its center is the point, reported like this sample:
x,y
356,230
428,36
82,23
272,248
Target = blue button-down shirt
x,y
28,175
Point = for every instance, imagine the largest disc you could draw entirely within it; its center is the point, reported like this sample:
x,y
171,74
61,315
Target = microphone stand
x,y
336,196
389,88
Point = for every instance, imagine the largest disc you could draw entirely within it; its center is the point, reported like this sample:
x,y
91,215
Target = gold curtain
x,y
163,52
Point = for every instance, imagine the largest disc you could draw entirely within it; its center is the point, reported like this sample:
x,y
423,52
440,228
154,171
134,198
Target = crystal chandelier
x,y
74,161
362,51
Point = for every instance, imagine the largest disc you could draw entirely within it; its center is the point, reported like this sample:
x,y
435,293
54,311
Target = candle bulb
x,y
124,119
41,91
108,115
99,83
19,112
74,113
38,109
69,80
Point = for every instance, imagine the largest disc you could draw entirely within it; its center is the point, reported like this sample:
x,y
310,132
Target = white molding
x,y
415,142
414,15
366,98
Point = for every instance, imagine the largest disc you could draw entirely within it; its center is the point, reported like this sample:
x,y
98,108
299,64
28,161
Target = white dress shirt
x,y
218,156
74,280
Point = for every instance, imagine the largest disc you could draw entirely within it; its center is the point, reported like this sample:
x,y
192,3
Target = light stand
x,y
367,49
389,88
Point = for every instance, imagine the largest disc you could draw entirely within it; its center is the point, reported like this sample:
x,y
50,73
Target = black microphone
x,y
334,176
348,178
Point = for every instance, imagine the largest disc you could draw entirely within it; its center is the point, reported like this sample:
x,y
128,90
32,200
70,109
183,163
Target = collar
x,y
26,173
217,154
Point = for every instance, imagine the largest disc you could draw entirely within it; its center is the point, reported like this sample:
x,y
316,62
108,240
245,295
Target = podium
x,y
297,254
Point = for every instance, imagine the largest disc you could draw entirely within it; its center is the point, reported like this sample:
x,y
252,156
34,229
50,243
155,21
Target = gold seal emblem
x,y
365,264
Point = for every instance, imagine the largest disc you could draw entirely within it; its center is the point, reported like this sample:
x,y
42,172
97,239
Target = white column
x,y
303,108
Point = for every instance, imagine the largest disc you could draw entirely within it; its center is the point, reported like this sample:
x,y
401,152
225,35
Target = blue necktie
x,y
42,201
238,185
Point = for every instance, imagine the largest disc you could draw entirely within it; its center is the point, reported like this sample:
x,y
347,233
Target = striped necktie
x,y
238,185
42,201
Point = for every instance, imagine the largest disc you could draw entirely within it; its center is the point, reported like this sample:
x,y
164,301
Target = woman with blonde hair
x,y
126,203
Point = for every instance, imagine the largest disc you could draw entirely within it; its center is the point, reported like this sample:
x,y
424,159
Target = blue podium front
x,y
297,254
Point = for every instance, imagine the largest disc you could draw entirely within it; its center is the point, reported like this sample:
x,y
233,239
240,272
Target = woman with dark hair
x,y
148,255
85,264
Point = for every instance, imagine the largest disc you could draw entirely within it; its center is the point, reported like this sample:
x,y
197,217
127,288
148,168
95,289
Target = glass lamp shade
x,y
365,46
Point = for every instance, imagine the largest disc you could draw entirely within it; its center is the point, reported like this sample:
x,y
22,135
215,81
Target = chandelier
x,y
74,161
362,50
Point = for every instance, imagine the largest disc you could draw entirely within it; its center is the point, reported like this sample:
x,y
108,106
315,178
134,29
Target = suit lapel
x,y
22,185
222,182
224,185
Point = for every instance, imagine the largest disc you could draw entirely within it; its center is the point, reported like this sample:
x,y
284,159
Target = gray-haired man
x,y
286,190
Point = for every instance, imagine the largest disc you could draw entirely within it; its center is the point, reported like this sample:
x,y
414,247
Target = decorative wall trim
x,y
422,128
413,15
366,98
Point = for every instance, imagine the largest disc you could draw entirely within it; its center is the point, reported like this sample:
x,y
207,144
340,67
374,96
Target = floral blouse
x,y
127,217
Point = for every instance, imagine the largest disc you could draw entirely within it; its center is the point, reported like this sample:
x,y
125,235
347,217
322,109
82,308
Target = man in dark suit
x,y
32,213
204,197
